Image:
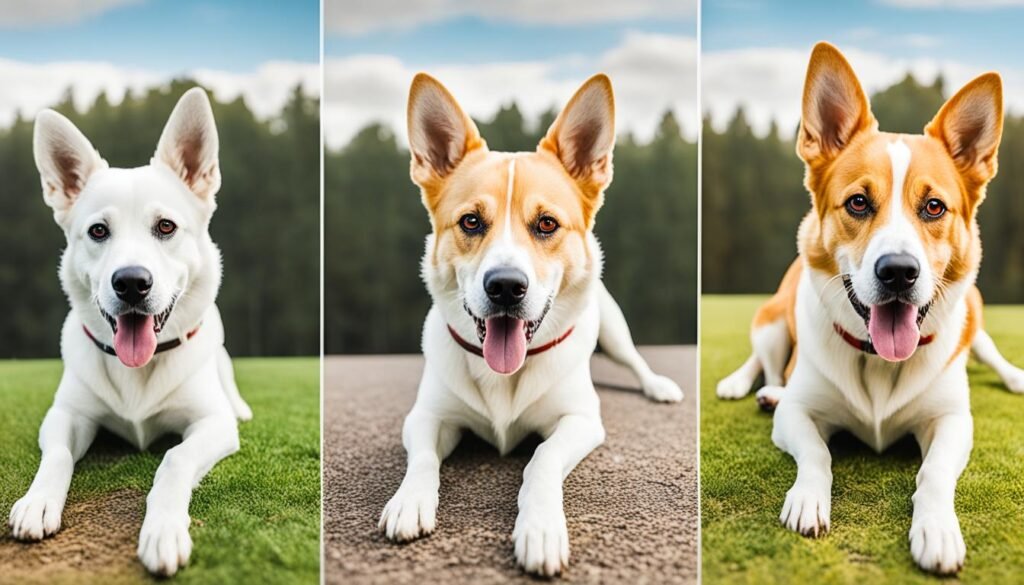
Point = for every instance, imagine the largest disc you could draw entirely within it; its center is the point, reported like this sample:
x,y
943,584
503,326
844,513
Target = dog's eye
x,y
934,209
470,223
858,205
166,227
98,232
547,225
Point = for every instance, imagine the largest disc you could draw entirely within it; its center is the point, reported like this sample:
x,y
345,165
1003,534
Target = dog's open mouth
x,y
894,326
135,334
504,339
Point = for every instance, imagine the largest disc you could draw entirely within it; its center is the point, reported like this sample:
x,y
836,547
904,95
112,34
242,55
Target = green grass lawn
x,y
256,515
744,479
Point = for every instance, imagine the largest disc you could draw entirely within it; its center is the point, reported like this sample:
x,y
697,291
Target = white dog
x,y
512,265
872,325
143,345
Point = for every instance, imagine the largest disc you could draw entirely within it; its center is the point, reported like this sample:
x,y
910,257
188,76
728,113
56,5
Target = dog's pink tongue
x,y
505,344
135,339
894,331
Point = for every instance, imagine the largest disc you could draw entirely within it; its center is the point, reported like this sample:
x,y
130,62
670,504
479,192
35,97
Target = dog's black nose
x,y
897,272
506,286
132,284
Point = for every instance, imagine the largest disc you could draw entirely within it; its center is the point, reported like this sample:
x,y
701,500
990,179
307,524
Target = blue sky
x,y
474,40
258,50
175,35
755,51
987,36
490,53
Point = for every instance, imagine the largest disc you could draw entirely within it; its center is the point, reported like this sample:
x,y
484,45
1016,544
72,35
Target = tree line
x,y
754,198
375,228
266,225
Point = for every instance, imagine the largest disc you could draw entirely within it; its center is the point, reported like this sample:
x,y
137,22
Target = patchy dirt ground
x,y
97,538
631,505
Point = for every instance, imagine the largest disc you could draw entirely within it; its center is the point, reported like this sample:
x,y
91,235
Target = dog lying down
x,y
143,345
513,268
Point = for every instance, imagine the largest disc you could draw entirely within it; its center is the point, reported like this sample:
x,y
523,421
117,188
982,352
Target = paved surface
x,y
631,505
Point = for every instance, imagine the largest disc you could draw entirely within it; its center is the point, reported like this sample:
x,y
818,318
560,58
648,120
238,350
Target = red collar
x,y
865,345
477,351
170,344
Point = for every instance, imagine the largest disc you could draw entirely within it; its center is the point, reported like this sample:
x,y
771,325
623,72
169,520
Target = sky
x,y
490,53
756,51
259,49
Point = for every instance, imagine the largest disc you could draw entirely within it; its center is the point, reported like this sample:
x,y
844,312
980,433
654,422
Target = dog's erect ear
x,y
970,125
583,135
65,160
835,108
189,144
440,133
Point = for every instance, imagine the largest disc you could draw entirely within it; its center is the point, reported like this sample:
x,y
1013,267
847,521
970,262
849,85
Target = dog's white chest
x,y
500,421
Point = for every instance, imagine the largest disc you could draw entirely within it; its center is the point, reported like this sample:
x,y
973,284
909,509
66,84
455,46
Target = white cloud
x,y
650,73
29,87
267,89
958,4
768,82
27,13
355,18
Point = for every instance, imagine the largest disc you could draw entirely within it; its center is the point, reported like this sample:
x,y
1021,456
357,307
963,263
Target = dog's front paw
x,y
662,389
807,509
768,397
164,543
35,516
541,541
937,544
411,513
1014,380
733,387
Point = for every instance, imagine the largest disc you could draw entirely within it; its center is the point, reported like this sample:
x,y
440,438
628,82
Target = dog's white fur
x,y
836,387
552,394
189,390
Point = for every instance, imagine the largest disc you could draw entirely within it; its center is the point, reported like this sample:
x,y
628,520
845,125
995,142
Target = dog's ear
x,y
835,108
583,135
65,159
189,144
440,133
970,126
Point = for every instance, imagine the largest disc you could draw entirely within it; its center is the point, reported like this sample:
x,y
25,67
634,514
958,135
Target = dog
x,y
143,344
513,269
871,327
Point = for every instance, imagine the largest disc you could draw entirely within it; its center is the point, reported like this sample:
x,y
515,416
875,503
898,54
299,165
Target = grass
x,y
744,479
256,515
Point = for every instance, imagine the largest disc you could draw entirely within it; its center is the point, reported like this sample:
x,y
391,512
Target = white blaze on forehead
x,y
508,197
899,155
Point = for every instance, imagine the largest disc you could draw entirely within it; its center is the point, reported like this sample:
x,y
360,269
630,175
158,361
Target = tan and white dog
x,y
872,325
143,345
514,269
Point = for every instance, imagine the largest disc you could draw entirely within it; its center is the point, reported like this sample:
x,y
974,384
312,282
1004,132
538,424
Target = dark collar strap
x,y
170,344
865,345
532,351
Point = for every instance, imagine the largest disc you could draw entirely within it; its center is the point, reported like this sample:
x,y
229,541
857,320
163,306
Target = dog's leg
x,y
809,502
63,439
617,342
226,373
985,350
412,511
541,536
772,346
935,539
739,383
164,542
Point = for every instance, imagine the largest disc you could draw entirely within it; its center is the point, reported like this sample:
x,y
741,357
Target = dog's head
x,y
511,231
894,215
139,260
